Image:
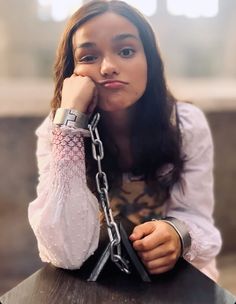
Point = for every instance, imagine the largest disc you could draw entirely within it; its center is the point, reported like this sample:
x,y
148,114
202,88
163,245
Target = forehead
x,y
104,27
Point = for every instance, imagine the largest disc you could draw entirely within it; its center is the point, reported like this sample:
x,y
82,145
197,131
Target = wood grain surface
x,y
184,284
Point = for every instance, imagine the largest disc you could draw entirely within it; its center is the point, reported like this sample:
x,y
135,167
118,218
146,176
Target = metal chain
x,y
102,188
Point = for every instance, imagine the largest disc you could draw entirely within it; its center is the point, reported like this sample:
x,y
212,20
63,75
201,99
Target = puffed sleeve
x,y
192,201
65,214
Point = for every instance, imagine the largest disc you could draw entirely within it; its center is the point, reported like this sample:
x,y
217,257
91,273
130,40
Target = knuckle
x,y
145,244
172,258
171,265
145,257
154,223
148,265
153,271
141,246
85,78
172,248
136,229
166,235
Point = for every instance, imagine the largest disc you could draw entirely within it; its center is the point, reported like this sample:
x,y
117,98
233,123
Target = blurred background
x,y
197,39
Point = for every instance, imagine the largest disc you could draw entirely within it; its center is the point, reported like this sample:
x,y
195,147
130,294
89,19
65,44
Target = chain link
x,y
102,188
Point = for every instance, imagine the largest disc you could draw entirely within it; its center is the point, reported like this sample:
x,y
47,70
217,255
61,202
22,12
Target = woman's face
x,y
108,49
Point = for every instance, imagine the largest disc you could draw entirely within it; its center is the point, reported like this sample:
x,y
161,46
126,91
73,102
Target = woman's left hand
x,y
157,244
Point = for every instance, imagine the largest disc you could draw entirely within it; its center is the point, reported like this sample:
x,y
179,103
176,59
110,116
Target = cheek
x,y
141,73
85,70
141,80
80,70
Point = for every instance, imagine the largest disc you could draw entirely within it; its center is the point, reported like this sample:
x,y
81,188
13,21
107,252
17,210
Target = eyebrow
x,y
85,45
120,37
124,36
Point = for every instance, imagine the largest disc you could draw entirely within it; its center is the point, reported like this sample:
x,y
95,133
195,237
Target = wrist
x,y
74,105
182,231
71,117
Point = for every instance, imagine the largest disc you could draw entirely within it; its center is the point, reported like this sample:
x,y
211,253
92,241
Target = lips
x,y
112,84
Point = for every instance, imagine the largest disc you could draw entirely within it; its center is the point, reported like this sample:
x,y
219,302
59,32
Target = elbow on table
x,y
63,250
204,251
67,258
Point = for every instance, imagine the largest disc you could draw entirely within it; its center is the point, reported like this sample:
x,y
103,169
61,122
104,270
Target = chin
x,y
111,107
114,106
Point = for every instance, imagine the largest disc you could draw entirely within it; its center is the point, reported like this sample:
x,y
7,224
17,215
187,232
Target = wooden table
x,y
184,284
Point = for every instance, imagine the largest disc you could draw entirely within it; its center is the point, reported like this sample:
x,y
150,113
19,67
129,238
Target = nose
x,y
109,67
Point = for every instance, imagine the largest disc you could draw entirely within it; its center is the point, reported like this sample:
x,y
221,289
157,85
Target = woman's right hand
x,y
79,93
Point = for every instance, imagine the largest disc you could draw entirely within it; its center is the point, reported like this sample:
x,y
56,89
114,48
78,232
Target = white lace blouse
x,y
65,214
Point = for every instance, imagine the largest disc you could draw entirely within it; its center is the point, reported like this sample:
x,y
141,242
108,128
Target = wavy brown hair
x,y
155,139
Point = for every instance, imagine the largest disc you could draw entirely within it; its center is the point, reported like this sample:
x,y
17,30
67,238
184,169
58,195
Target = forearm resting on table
x,y
65,214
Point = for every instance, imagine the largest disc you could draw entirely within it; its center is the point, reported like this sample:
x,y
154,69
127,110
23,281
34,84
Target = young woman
x,y
158,152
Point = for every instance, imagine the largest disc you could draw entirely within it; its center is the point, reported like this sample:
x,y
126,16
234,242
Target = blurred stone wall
x,y
18,250
223,126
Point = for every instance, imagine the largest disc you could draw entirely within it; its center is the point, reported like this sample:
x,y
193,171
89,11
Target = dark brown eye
x,y
88,58
127,52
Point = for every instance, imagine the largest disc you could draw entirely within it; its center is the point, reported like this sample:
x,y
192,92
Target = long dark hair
x,y
155,139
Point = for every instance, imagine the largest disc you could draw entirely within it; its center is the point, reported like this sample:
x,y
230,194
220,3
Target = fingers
x,y
155,253
157,244
167,253
162,269
160,259
151,241
152,234
142,230
149,235
157,266
78,93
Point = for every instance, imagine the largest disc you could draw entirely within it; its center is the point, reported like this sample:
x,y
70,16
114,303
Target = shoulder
x,y
191,117
194,127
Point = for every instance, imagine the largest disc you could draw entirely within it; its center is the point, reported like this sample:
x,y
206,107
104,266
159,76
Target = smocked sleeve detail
x,y
65,214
